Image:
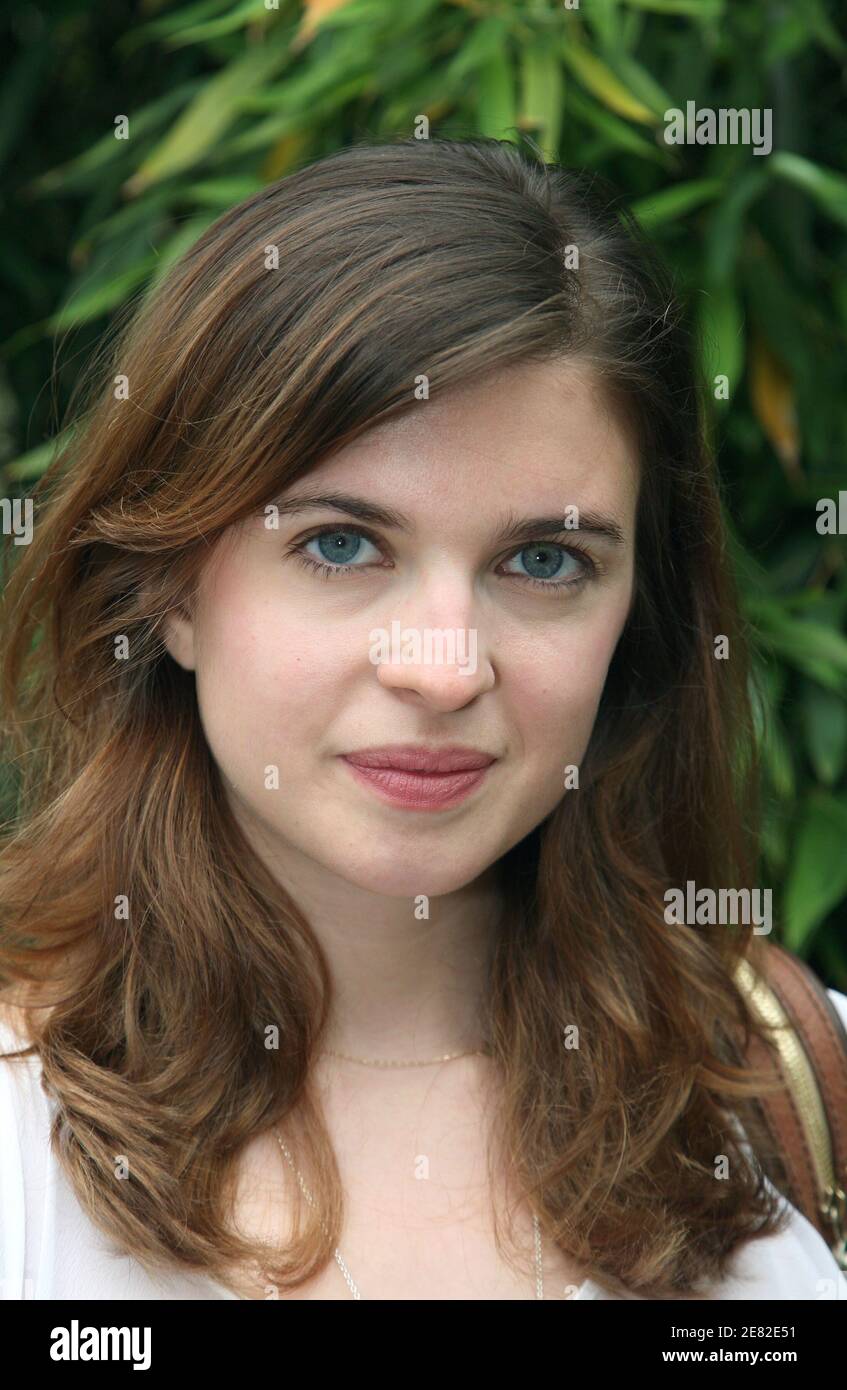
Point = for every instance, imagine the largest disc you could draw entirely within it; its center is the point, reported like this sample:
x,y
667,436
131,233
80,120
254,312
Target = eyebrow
x,y
510,527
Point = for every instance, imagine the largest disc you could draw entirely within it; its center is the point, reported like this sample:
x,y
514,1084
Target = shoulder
x,y
840,1002
25,1126
794,1263
23,1103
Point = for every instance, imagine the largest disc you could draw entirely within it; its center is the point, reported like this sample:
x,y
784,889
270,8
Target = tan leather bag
x,y
807,1119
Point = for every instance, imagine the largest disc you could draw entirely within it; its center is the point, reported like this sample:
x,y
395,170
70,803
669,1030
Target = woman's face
x,y
441,630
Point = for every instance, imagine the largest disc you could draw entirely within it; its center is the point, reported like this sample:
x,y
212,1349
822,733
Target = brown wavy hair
x,y
446,258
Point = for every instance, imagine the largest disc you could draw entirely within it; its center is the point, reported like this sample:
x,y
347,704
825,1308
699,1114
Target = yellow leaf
x,y
772,395
284,154
598,79
436,109
208,115
314,12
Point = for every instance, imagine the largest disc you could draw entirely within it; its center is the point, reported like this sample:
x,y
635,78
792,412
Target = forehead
x,y
540,434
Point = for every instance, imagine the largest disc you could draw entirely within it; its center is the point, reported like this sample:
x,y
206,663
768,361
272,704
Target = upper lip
x,y
416,757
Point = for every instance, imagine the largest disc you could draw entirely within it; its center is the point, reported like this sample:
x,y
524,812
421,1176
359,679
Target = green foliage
x,y
222,97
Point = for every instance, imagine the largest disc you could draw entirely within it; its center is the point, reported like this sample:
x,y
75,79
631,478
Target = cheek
x,y
269,677
558,691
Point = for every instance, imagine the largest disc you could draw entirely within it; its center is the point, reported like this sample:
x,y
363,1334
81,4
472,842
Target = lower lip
x,y
419,791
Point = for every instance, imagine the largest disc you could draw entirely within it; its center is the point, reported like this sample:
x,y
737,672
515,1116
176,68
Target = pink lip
x,y
420,778
417,757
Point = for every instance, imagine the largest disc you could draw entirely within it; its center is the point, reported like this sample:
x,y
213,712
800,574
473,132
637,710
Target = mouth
x,y
418,778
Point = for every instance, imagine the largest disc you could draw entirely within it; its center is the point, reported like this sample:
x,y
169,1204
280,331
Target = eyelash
x,y
590,567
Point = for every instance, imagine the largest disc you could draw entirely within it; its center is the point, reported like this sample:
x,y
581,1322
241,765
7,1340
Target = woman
x,y
378,706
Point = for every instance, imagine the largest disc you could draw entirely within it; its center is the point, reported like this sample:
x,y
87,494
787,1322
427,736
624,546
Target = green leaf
x,y
820,26
818,651
619,134
722,337
774,837
35,461
211,112
145,211
222,193
676,201
495,97
171,23
93,301
776,751
486,39
817,880
643,84
542,94
828,189
726,225
787,38
825,725
24,82
601,82
81,172
264,134
248,12
604,19
697,9
357,14
181,242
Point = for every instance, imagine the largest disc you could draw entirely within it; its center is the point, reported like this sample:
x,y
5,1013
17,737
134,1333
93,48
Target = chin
x,y
408,878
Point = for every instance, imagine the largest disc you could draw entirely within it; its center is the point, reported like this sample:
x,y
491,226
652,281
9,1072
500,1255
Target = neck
x,y
404,989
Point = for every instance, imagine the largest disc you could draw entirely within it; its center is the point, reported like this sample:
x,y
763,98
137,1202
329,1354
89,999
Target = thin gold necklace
x,y
379,1062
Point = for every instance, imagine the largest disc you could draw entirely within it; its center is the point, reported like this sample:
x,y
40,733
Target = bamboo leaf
x,y
222,193
726,225
776,751
542,94
35,461
643,84
619,134
495,97
210,113
601,82
828,189
486,40
181,241
96,300
818,651
695,9
817,880
772,395
170,25
825,726
722,337
80,172
247,13
323,14
673,202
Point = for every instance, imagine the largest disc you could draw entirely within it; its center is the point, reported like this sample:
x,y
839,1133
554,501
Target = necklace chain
x,y
339,1259
379,1062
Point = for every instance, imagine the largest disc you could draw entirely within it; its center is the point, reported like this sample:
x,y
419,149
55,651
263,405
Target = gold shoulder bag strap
x,y
807,1118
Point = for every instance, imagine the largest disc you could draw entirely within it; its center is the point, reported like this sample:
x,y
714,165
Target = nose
x,y
444,666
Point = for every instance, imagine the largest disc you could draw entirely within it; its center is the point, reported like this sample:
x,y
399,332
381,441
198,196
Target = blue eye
x,y
338,546
554,564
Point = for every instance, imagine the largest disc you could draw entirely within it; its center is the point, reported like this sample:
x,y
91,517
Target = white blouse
x,y
50,1249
